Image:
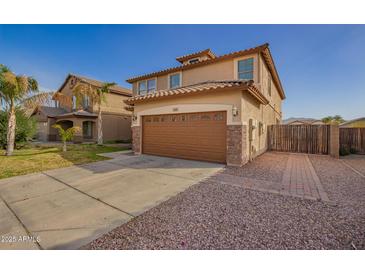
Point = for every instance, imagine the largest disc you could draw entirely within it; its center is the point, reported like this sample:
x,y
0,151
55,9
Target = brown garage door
x,y
197,136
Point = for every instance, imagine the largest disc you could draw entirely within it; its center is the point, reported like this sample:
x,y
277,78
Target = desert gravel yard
x,y
216,215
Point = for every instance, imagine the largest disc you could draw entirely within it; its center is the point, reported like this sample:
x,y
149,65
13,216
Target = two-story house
x,y
116,120
211,108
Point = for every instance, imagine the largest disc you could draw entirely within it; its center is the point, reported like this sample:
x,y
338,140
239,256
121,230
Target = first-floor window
x,y
87,129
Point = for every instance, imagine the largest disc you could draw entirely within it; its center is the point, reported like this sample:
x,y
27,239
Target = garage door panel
x,y
186,154
199,136
190,148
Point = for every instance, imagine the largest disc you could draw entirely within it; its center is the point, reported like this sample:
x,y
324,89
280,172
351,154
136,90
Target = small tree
x,y
66,135
26,128
337,119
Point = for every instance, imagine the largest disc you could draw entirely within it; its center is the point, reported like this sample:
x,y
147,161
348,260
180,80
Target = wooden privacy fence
x,y
353,139
312,139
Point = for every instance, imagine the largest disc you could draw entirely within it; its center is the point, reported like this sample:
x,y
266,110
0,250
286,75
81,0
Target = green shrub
x,y
344,151
353,150
25,129
128,141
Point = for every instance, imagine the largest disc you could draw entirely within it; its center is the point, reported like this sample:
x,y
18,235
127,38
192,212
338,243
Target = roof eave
x,y
267,54
249,87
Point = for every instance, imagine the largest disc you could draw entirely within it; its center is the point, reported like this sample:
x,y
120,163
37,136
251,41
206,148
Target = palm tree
x,y
97,96
18,91
66,135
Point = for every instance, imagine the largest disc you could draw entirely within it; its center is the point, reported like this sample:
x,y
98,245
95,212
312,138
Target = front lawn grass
x,y
35,159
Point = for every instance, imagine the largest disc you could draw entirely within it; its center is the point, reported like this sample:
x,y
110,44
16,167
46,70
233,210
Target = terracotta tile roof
x,y
196,54
201,87
114,89
262,49
78,113
201,63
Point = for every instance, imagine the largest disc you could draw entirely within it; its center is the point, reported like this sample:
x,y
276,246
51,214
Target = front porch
x,y
86,121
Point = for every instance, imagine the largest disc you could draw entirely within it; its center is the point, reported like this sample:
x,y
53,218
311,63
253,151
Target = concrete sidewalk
x,y
67,208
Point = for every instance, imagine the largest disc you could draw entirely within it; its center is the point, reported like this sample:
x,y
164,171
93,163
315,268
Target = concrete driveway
x,y
69,207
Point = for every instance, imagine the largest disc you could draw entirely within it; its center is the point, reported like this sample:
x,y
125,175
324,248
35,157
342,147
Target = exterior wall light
x,y
234,111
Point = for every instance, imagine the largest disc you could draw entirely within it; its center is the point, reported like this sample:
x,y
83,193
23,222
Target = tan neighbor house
x,y
355,123
211,108
116,120
302,121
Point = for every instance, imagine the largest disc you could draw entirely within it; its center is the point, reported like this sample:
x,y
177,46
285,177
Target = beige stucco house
x,y
116,120
211,108
355,123
302,121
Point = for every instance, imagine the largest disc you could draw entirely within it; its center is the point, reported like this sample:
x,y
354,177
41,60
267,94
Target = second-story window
x,y
151,86
86,101
245,69
145,87
142,88
73,102
174,80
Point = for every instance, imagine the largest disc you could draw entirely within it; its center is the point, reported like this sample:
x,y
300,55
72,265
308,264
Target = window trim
x,y
171,74
152,79
241,59
146,83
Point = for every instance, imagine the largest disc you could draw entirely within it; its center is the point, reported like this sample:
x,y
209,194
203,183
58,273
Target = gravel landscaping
x,y
212,215
355,161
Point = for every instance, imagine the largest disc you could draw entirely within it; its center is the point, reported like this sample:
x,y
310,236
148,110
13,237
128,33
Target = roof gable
x,y
206,52
96,83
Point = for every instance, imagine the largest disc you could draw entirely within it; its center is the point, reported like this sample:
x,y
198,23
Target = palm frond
x,y
81,90
9,78
4,68
62,99
105,88
66,135
35,100
32,84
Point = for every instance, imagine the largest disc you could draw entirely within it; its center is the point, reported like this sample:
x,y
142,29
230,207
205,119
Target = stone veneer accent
x,y
237,154
136,139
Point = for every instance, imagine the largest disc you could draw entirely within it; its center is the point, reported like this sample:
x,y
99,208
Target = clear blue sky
x,y
322,67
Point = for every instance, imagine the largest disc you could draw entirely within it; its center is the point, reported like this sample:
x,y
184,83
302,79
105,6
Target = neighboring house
x,y
359,122
302,121
211,108
116,120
